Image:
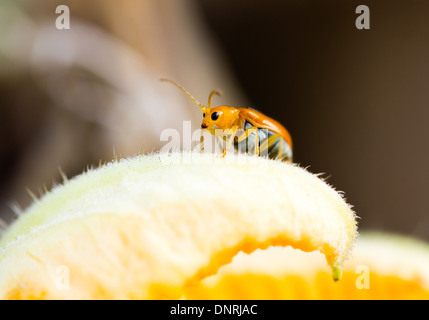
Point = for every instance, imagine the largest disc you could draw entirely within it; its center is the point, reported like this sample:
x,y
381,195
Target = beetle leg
x,y
232,132
256,142
246,135
280,150
263,148
268,143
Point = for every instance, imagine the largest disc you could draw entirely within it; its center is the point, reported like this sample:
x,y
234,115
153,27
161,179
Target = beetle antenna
x,y
203,108
211,97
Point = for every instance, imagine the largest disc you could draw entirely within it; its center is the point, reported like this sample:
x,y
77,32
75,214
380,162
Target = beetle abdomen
x,y
270,144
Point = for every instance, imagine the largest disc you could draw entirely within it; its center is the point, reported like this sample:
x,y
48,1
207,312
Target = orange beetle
x,y
249,130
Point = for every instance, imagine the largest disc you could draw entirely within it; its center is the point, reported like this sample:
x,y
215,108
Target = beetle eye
x,y
215,116
204,115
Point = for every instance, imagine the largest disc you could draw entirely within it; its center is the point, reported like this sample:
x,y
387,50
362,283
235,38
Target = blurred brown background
x,y
355,101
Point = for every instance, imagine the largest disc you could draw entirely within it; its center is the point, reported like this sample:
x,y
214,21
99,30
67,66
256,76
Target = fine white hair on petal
x,y
170,219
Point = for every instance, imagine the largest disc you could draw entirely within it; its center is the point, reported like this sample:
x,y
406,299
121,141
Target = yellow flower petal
x,y
382,266
151,226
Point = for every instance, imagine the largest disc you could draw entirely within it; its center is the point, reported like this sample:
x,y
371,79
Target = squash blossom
x,y
193,225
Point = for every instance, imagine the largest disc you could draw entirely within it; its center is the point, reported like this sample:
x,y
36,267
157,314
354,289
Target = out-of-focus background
x,y
355,101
